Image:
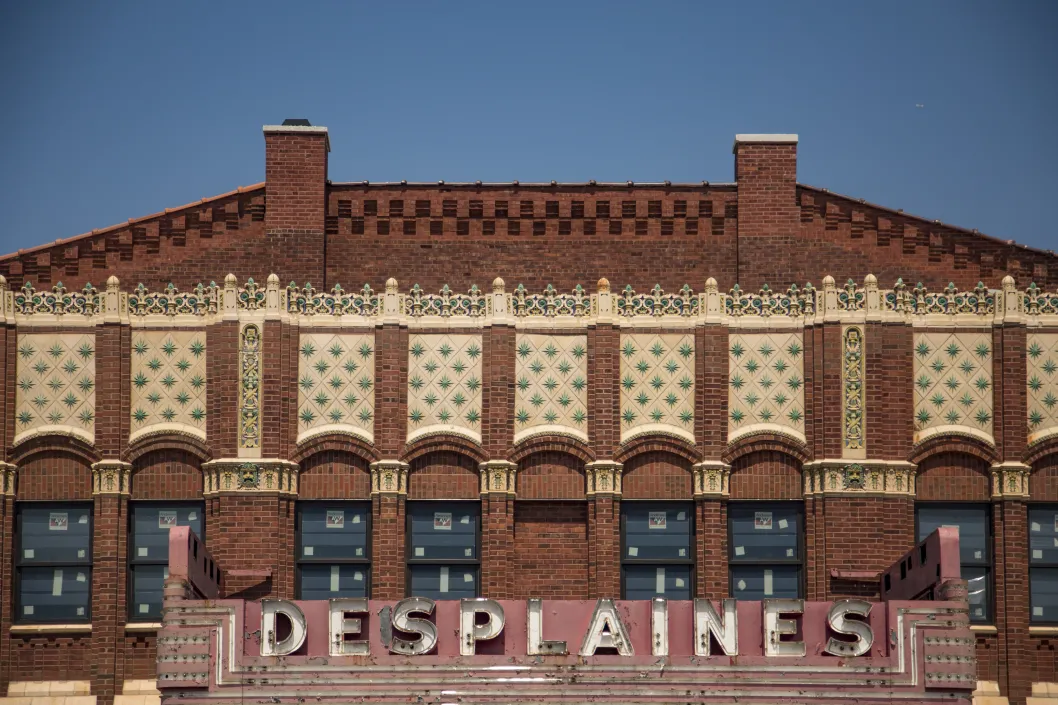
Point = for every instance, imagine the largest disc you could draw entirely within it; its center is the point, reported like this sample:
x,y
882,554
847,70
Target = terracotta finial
x,y
604,286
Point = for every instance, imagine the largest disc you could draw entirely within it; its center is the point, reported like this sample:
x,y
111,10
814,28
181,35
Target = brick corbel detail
x,y
711,479
604,478
111,477
859,477
498,476
1010,480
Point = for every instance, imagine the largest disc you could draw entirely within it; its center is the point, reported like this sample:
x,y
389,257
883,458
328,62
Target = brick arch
x,y
657,473
766,441
167,472
766,474
953,443
1040,450
53,472
550,473
335,474
335,442
657,443
1043,482
54,443
551,443
443,472
437,442
167,440
954,475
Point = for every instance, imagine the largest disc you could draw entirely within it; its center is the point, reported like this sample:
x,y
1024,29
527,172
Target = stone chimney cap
x,y
763,139
299,129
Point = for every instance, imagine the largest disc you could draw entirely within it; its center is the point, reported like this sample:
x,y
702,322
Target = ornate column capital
x,y
851,477
1010,480
604,477
7,479
710,478
498,476
389,477
245,476
111,477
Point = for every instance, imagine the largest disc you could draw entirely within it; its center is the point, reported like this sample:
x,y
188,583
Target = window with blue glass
x,y
766,552
657,550
149,552
1043,564
442,549
54,563
975,548
334,550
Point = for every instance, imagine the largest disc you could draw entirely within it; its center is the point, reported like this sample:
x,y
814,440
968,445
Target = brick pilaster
x,y
497,528
604,528
109,609
389,494
498,372
7,570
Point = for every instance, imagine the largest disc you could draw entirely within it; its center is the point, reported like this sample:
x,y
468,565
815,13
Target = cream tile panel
x,y
657,385
766,384
444,385
1042,385
336,384
168,382
953,384
551,389
56,387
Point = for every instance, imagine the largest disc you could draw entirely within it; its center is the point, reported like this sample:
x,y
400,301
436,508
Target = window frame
x,y
300,559
19,617
1037,506
131,560
410,560
990,567
691,558
762,505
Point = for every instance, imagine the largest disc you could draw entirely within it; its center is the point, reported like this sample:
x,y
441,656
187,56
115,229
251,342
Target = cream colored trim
x,y
550,430
766,428
1042,435
439,429
1043,631
162,428
51,628
340,429
966,431
54,430
983,629
142,626
659,429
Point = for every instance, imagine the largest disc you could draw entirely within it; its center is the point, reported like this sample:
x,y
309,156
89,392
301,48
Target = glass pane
x,y
980,593
334,531
322,582
54,594
757,582
657,531
442,582
645,582
145,603
1043,588
1043,535
764,532
151,524
973,529
443,531
56,534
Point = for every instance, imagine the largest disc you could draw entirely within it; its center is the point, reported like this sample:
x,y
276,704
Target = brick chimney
x,y
295,177
766,172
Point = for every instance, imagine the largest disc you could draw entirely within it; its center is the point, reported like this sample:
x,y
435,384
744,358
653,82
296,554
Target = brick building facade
x,y
490,371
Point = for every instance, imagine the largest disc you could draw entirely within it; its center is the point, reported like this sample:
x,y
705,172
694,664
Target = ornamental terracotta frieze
x,y
240,476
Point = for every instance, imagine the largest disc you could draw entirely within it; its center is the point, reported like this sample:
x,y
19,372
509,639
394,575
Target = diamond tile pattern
x,y
766,382
336,384
657,384
1042,384
444,384
953,381
56,386
169,381
551,390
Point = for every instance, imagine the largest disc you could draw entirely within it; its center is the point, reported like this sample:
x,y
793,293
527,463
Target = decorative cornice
x,y
389,477
112,477
604,477
8,473
859,477
711,478
1010,480
256,476
498,476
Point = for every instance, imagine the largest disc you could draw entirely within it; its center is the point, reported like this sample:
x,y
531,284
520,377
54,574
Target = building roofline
x,y
131,221
537,184
932,221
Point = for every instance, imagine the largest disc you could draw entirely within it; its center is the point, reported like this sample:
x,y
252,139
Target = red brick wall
x,y
953,476
551,560
335,475
767,475
167,474
550,476
656,475
443,475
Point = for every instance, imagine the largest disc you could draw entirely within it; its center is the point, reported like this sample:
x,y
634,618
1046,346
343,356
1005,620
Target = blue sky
x,y
119,109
